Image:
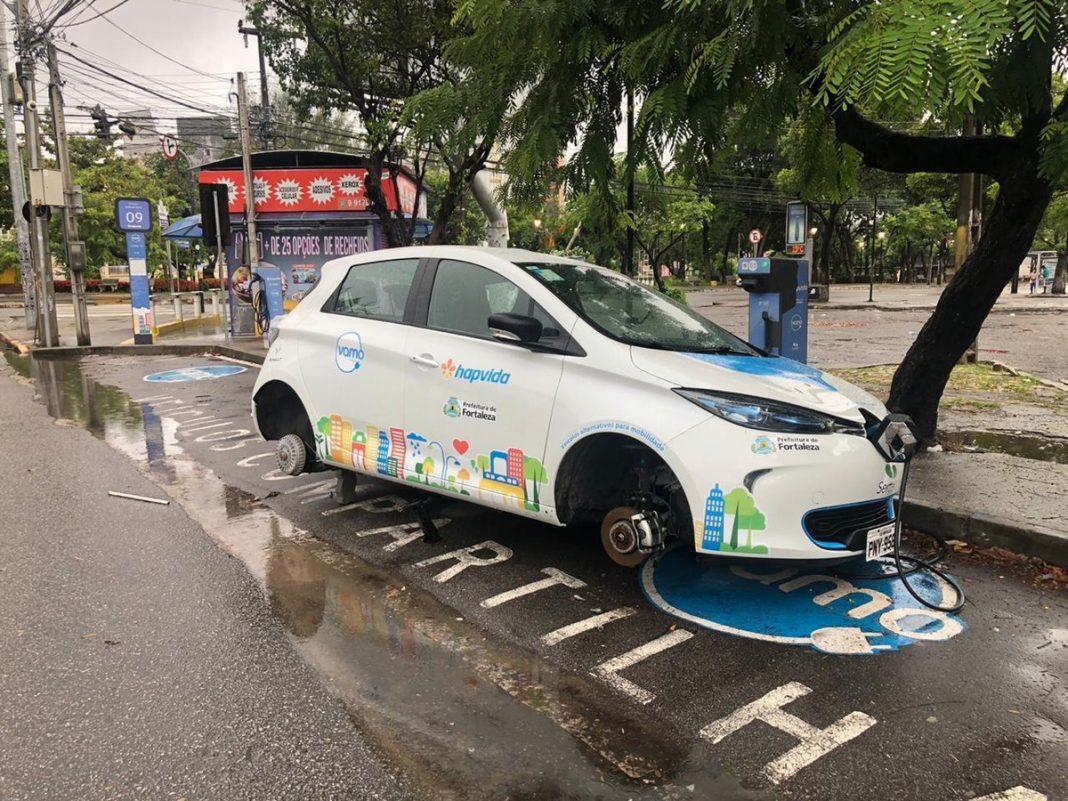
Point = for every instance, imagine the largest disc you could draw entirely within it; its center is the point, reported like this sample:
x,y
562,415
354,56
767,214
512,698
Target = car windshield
x,y
629,312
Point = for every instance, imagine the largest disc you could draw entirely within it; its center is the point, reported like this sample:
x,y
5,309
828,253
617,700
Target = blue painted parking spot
x,y
195,373
828,609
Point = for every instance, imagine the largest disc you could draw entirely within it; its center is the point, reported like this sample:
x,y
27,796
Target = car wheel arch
x,y
280,411
592,476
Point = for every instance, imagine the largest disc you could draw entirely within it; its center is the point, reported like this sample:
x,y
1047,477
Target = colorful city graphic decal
x,y
730,520
507,478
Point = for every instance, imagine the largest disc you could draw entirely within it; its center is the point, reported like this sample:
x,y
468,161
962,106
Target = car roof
x,y
511,255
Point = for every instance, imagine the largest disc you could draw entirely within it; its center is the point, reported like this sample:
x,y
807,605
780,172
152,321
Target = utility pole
x,y
18,180
871,250
628,266
72,196
266,132
968,203
246,163
47,324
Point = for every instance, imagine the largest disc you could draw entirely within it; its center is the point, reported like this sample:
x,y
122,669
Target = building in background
x,y
203,139
145,140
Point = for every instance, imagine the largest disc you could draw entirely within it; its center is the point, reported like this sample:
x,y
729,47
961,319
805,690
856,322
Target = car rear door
x,y
477,410
354,364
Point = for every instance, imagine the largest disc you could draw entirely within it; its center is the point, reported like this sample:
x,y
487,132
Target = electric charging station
x,y
778,304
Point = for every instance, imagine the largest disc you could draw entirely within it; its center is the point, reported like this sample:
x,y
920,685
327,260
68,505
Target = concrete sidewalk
x,y
888,297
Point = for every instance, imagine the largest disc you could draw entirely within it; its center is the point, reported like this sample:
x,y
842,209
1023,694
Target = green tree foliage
x,y
104,177
894,80
387,62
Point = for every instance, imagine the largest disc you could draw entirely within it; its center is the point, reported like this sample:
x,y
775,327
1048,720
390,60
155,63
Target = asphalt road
x,y
476,696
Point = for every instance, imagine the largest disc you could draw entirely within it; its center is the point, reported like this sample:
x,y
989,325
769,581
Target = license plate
x,y
880,542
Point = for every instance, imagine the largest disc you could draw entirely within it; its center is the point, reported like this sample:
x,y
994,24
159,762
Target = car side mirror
x,y
514,327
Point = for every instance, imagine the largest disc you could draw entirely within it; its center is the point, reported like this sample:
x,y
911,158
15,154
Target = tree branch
x,y
892,151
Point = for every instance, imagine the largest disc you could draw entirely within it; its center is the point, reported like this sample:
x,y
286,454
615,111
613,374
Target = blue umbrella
x,y
185,228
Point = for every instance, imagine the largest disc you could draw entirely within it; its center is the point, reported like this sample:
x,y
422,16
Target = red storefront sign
x,y
331,189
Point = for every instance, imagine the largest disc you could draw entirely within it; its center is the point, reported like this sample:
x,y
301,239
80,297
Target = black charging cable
x,y
260,310
905,565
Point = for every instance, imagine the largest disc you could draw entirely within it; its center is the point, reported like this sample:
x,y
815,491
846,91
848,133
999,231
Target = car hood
x,y
771,377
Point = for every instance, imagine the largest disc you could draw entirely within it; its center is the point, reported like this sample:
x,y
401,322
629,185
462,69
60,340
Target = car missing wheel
x,y
562,391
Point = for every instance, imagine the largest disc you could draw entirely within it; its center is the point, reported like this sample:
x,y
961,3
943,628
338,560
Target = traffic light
x,y
101,122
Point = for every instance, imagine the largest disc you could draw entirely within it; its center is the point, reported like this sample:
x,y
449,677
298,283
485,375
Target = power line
x,y
97,16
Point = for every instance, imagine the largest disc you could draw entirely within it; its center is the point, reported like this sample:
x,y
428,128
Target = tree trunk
x,y
965,303
824,271
396,230
846,239
727,252
444,231
1058,274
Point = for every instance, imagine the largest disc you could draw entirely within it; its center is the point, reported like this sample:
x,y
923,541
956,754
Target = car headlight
x,y
768,415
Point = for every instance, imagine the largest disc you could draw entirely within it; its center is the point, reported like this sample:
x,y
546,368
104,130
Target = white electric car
x,y
561,391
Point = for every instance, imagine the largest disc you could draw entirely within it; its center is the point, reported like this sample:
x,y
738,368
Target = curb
x,y
175,349
986,531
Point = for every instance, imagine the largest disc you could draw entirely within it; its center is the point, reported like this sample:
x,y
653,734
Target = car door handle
x,y
423,361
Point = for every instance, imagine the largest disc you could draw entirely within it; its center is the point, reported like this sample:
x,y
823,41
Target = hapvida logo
x,y
471,375
448,369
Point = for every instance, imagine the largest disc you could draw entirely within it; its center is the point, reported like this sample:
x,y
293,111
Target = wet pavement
x,y
453,681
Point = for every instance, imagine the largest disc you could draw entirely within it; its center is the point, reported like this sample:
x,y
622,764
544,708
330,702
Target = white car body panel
x,y
449,422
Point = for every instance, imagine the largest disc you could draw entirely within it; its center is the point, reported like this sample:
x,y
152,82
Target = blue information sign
x,y
133,214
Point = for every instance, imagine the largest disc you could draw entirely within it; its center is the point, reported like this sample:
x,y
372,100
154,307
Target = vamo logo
x,y
471,375
349,352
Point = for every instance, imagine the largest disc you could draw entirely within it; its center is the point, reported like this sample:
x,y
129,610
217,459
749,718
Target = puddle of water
x,y
1024,445
463,716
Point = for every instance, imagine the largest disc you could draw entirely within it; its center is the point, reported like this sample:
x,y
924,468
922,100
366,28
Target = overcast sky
x,y
201,34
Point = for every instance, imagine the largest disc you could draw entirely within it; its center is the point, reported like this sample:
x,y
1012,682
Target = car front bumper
x,y
782,496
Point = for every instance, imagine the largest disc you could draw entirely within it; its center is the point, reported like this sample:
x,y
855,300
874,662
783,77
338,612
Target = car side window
x,y
377,290
465,295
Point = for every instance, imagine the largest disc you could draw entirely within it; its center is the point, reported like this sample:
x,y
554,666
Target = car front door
x,y
477,409
354,364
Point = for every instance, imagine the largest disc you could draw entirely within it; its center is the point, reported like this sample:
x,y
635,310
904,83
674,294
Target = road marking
x,y
402,534
338,510
815,742
842,589
220,436
322,496
304,489
609,671
555,577
1019,793
465,558
200,426
586,624
250,461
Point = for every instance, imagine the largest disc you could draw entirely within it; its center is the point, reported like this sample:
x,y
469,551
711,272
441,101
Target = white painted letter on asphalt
x,y
586,624
609,671
402,534
1020,793
555,577
814,742
465,558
